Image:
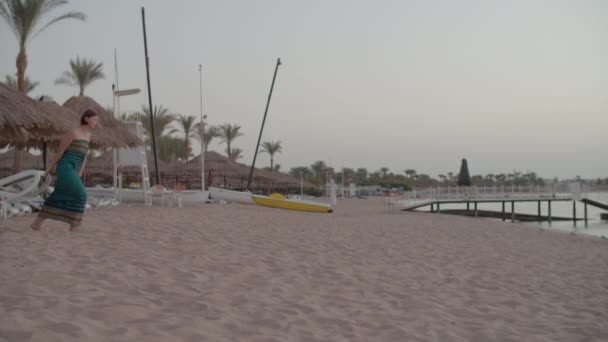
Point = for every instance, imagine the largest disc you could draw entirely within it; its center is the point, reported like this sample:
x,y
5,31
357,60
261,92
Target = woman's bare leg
x,y
38,223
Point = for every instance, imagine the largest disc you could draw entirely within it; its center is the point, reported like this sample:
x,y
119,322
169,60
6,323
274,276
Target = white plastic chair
x,y
158,190
178,193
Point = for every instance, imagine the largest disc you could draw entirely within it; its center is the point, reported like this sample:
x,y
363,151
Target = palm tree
x,y
305,171
210,132
318,167
384,171
228,133
490,178
271,147
235,154
410,173
23,17
186,125
169,148
161,116
81,74
361,174
11,81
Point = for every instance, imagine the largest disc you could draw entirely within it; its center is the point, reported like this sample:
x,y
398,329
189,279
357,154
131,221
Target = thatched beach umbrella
x,y
23,119
104,136
224,170
102,165
113,133
220,167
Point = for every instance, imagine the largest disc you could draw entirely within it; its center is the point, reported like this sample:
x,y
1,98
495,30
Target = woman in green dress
x,y
68,200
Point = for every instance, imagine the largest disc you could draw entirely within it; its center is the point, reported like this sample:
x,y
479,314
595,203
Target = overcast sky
x,y
509,85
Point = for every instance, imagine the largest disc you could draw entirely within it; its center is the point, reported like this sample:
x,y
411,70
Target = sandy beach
x,y
247,273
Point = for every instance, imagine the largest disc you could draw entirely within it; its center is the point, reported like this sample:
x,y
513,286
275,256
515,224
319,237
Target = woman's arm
x,y
66,140
84,162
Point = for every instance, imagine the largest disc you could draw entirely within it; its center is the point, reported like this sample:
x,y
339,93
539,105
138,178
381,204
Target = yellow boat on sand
x,y
279,201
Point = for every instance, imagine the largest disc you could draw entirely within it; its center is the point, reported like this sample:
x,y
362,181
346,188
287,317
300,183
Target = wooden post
x,y
467,205
437,207
549,212
503,211
432,207
574,212
512,211
586,218
539,212
475,209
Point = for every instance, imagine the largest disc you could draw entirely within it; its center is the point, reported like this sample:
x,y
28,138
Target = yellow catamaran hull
x,y
278,201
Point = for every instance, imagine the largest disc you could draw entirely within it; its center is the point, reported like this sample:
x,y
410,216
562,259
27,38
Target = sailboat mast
x,y
263,122
143,21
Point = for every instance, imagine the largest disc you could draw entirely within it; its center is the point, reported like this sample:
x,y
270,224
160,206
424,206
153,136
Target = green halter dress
x,y
68,200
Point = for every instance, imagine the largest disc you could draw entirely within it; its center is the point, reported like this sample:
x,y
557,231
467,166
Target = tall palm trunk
x,y
271,162
21,65
186,147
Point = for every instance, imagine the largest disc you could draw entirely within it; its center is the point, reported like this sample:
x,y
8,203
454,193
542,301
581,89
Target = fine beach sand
x,y
247,273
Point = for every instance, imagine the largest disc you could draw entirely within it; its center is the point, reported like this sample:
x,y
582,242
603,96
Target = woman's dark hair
x,y
87,114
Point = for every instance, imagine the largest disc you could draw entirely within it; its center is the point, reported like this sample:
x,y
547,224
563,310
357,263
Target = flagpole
x,y
200,72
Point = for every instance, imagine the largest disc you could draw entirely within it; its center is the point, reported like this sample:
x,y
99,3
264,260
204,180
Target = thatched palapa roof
x,y
104,165
23,119
112,133
234,172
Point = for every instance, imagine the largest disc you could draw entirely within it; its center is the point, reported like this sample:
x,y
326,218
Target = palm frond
x,y
70,15
82,73
23,16
235,154
271,147
11,81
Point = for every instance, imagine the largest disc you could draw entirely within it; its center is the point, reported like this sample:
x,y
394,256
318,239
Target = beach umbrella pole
x,y
257,146
44,155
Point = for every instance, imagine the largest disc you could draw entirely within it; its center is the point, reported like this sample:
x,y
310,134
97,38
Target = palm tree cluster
x,y
172,132
319,173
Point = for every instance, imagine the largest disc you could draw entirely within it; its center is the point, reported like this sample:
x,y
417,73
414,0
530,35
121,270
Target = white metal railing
x,y
488,192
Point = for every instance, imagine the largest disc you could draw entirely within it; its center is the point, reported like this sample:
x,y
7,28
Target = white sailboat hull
x,y
230,195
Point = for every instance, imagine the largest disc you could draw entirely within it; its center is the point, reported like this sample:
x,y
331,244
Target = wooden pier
x,y
435,205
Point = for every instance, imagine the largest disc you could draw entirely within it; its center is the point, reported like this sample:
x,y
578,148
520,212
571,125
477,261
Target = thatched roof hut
x,y
224,170
219,165
23,119
103,165
112,133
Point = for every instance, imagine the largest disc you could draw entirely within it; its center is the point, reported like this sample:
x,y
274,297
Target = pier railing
x,y
498,191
